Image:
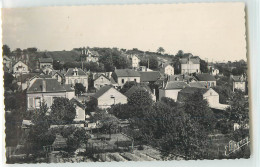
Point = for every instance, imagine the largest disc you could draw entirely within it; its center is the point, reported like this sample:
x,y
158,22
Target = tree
x,y
127,86
91,105
204,66
160,50
79,88
140,98
62,111
224,93
239,108
176,64
32,50
179,54
6,50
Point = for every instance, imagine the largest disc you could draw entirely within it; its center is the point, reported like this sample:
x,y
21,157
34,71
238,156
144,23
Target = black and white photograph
x,y
120,83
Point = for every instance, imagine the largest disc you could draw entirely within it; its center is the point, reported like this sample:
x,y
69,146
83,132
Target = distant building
x,y
149,76
171,89
76,75
92,56
135,61
206,79
101,81
121,76
239,82
107,96
168,69
80,110
190,65
45,62
46,90
58,75
20,68
143,87
214,71
208,94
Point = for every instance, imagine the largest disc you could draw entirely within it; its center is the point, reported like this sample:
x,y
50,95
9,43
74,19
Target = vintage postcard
x,y
105,83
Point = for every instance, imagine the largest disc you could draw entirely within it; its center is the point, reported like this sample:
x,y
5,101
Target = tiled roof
x,y
134,88
196,85
100,76
46,60
101,91
205,77
238,79
193,60
175,85
52,85
70,72
127,73
191,90
112,80
149,76
68,87
23,78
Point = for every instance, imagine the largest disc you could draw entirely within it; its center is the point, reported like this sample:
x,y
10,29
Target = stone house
x,y
167,69
45,62
102,80
206,79
135,61
239,82
46,89
190,65
171,89
20,68
76,75
108,96
121,76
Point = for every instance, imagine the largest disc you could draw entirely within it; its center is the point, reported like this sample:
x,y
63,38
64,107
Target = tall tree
x,y
6,50
204,66
160,50
62,111
79,88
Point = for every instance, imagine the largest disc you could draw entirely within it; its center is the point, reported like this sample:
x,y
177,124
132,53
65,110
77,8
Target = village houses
x,y
206,79
190,65
107,96
238,82
103,80
91,56
121,76
20,68
167,69
45,63
47,89
135,61
76,75
171,89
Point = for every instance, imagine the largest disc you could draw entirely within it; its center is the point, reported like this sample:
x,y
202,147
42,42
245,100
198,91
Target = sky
x,y
213,31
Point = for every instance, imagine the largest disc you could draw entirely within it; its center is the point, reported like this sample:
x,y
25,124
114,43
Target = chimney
x,y
43,85
154,91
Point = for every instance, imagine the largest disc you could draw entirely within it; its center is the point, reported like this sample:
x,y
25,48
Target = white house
x,y
92,56
20,68
101,81
76,75
239,82
171,89
47,90
190,65
168,69
121,76
215,71
135,61
208,94
107,96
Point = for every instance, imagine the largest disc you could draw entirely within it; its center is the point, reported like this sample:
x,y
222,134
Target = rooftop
x,y
150,76
70,72
45,85
238,79
205,77
192,59
134,88
102,91
127,73
175,85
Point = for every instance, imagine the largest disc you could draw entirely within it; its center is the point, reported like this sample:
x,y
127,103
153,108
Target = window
x,y
123,81
37,102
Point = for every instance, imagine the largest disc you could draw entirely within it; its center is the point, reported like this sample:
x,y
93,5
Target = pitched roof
x,y
193,60
23,78
238,79
70,72
134,88
52,85
102,91
196,85
127,73
100,76
150,76
175,85
205,77
46,60
191,90
112,80
68,87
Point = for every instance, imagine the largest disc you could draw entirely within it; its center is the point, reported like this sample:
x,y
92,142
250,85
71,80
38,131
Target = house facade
x,y
239,83
190,65
76,75
46,90
108,96
171,89
206,79
20,68
135,61
101,81
168,70
91,56
121,76
45,62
